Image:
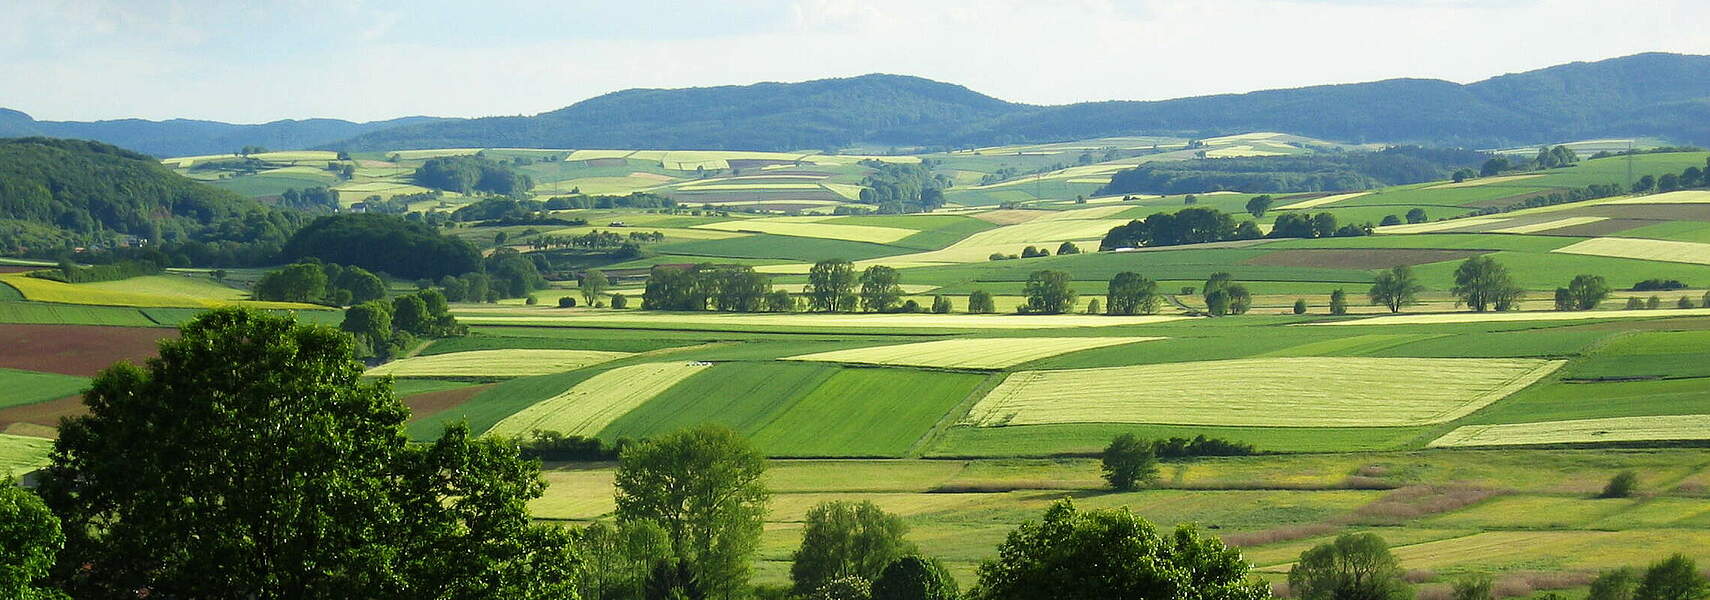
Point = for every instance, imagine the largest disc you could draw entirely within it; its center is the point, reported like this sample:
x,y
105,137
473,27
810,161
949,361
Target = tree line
x,y
1316,172
470,174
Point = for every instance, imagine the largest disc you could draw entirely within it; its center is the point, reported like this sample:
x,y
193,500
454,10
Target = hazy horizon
x,y
374,61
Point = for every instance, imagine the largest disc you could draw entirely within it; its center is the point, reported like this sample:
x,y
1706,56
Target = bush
x,y
980,303
941,304
1635,304
912,306
620,301
1338,302
1129,461
1621,485
1684,302
1094,308
531,300
555,446
1652,285
1300,307
563,302
1653,303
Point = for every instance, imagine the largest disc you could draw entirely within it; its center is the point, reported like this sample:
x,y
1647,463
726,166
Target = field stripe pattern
x,y
1264,392
968,353
595,403
1661,250
1613,429
516,362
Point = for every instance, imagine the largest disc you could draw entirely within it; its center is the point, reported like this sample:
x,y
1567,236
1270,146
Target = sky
x,y
251,61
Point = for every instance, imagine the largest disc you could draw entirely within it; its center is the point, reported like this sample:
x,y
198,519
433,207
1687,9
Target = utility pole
x,y
1629,166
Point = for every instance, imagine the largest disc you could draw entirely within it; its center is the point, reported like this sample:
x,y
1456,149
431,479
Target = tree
x,y
847,539
1585,292
1416,215
30,538
1389,220
779,301
1472,587
1067,248
1131,294
830,284
1356,566
302,282
1048,293
1248,230
593,284
1093,307
363,285
1395,288
1128,462
304,486
915,578
1653,302
703,486
1259,205
410,314
734,288
1482,283
844,588
1338,302
617,558
1300,306
881,288
1644,184
941,304
1225,297
1621,485
1112,554
1673,578
1616,584
371,323
980,303
1495,166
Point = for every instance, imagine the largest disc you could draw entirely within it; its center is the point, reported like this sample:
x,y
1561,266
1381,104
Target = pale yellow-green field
x,y
1642,249
764,187
20,454
1548,225
297,170
282,156
677,233
1680,197
495,363
504,316
1498,317
1484,181
1613,429
1264,392
854,233
1243,150
1435,226
434,153
598,154
1317,202
593,404
968,353
150,291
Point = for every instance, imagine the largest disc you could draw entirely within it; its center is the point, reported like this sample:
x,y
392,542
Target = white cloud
x,y
80,60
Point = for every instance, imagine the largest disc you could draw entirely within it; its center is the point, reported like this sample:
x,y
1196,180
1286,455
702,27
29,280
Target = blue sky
x,y
254,61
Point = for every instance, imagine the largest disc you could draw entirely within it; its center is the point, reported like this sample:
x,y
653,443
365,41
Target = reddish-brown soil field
x,y
430,403
17,268
1372,258
76,349
44,413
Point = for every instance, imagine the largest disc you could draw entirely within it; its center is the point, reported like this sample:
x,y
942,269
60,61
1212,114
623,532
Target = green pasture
x,y
779,247
866,412
28,387
745,396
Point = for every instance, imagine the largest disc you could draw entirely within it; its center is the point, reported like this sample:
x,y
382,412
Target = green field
x,y
865,412
26,387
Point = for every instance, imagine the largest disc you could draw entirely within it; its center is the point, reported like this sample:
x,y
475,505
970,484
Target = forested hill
x,y
56,191
183,137
827,113
1661,95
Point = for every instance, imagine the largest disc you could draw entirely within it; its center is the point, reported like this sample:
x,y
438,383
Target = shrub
x,y
620,301
1129,461
1653,303
1473,587
1635,304
1094,308
1621,485
980,303
1652,285
1300,307
1338,302
941,304
1390,220
531,301
912,306
1684,302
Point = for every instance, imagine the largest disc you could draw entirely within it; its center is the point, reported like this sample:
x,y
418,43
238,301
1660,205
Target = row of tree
x,y
320,283
1668,182
471,174
386,330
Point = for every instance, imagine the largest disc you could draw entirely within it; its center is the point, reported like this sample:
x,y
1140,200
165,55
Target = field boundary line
x,y
954,416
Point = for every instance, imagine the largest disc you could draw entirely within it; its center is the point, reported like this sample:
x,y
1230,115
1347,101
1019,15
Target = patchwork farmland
x,y
1473,442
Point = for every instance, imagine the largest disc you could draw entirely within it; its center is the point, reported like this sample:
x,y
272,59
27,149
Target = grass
x,y
1090,438
1661,354
1271,392
1580,431
1659,250
1562,401
479,341
72,314
1503,317
745,396
591,405
777,247
28,387
865,412
153,291
853,233
20,455
495,363
968,353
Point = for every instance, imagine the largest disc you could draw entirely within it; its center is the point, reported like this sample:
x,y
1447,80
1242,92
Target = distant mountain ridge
x,y
1653,94
186,137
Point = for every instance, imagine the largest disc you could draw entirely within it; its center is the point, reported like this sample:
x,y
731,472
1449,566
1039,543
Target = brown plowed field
x,y
44,413
1654,212
1364,258
76,349
430,403
1597,228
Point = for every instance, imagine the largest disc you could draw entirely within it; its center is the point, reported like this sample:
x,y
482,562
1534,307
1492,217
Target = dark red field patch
x,y
76,349
18,268
430,403
1363,258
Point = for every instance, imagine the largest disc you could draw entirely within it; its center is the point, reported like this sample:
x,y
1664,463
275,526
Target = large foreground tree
x,y
251,461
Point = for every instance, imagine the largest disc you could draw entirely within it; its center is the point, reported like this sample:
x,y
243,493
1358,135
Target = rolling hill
x,y
187,137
